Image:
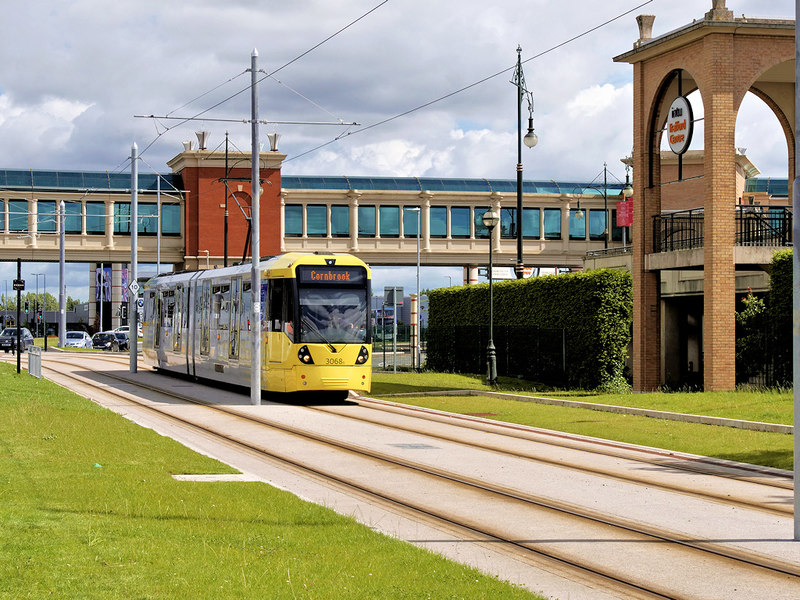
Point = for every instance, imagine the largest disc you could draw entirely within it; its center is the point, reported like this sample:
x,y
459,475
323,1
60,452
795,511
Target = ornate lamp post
x,y
490,221
530,139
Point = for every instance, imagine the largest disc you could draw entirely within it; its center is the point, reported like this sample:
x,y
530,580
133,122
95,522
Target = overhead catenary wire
x,y
232,96
470,86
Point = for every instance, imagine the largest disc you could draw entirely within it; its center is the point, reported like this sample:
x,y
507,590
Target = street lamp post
x,y
605,205
627,192
490,221
530,140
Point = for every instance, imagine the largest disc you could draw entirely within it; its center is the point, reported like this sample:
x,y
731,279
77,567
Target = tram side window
x,y
149,306
281,306
205,336
221,306
168,308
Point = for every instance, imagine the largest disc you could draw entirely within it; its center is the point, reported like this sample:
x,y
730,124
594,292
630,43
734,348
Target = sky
x,y
75,75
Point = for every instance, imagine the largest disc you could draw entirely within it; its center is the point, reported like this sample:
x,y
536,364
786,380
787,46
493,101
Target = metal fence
x,y
755,226
531,353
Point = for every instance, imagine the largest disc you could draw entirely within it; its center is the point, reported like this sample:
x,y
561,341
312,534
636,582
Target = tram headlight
x,y
362,356
305,356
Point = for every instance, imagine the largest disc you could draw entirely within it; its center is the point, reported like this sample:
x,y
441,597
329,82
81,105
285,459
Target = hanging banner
x,y
624,213
102,284
125,284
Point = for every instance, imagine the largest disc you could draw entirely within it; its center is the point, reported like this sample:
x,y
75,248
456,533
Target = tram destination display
x,y
331,275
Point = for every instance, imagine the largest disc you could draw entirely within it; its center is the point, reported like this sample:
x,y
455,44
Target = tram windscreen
x,y
333,315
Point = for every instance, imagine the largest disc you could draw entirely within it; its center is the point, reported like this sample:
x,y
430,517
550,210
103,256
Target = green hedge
x,y
593,308
780,315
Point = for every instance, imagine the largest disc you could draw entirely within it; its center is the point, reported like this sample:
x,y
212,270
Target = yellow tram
x,y
316,333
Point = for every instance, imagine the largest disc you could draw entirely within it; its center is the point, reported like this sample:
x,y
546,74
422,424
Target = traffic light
x,y
123,310
27,307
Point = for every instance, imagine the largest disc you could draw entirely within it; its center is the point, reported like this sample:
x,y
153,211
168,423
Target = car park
x,y
8,339
105,340
78,339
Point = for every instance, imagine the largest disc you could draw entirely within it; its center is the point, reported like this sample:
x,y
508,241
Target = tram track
x,y
604,526
668,461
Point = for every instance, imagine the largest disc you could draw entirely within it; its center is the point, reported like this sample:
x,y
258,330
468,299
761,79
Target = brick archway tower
x,y
723,58
205,177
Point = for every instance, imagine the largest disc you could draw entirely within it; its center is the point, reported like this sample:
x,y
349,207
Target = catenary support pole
x,y
519,266
133,327
19,300
62,280
255,277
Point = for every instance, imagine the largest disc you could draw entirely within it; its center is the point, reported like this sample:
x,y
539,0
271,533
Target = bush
x,y
592,310
780,315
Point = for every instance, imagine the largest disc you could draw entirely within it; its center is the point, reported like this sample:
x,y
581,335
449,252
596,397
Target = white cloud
x,y
47,125
595,100
74,74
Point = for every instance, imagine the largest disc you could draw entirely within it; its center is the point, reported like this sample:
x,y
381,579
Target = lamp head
x,y
530,139
490,219
627,191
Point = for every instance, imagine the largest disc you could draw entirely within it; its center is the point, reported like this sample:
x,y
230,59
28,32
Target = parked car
x,y
105,340
127,329
78,339
122,339
8,339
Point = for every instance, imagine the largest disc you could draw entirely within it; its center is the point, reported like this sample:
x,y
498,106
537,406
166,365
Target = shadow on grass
x,y
780,459
379,389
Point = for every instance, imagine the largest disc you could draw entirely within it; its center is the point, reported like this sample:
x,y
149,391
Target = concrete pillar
x,y
110,223
470,275
33,222
283,221
426,221
354,196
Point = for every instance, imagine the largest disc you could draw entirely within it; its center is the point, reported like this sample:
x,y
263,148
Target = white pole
x,y
62,281
419,298
255,279
158,223
133,327
394,329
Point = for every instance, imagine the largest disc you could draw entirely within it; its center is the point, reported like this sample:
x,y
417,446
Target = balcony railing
x,y
755,226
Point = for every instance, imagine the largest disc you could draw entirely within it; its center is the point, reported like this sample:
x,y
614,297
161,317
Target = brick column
x,y
647,204
719,343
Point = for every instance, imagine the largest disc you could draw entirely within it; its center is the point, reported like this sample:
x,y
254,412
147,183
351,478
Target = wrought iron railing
x,y
678,230
755,226
764,226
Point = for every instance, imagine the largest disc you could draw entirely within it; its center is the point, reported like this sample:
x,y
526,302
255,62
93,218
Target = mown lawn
x,y
768,449
89,509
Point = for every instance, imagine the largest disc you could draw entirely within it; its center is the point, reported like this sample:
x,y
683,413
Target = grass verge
x,y
768,449
90,510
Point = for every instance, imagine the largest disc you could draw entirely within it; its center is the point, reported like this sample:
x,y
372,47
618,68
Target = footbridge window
x,y
552,223
18,215
531,227
438,221
95,218
366,221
